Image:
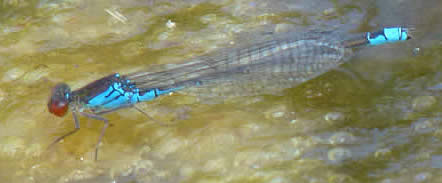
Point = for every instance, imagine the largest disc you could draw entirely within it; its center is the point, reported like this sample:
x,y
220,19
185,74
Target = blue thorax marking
x,y
388,35
120,92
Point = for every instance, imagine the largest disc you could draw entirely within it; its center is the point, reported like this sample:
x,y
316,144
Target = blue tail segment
x,y
114,91
388,35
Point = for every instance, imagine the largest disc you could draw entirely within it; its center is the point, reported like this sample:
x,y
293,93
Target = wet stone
x,y
422,103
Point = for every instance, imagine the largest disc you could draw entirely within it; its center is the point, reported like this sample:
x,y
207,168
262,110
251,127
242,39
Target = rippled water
x,y
384,125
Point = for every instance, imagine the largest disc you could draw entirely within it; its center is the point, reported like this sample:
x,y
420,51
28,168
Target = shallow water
x,y
384,125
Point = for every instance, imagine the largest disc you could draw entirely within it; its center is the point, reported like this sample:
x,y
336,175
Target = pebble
x,y
383,153
276,112
170,24
334,116
339,154
329,12
342,138
416,51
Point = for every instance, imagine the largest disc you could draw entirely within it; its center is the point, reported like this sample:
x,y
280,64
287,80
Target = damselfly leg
x,y
77,127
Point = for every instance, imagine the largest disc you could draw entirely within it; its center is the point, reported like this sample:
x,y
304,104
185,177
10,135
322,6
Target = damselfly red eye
x,y
59,101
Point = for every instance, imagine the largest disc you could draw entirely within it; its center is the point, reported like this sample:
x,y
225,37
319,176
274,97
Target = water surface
x,y
384,125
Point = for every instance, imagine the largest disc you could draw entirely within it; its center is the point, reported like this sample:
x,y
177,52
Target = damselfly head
x,y
59,101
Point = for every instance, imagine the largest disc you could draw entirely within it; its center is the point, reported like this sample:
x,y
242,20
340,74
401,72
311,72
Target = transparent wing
x,y
265,67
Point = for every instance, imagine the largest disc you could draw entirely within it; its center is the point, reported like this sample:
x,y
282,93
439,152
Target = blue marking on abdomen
x,y
143,96
153,93
388,35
